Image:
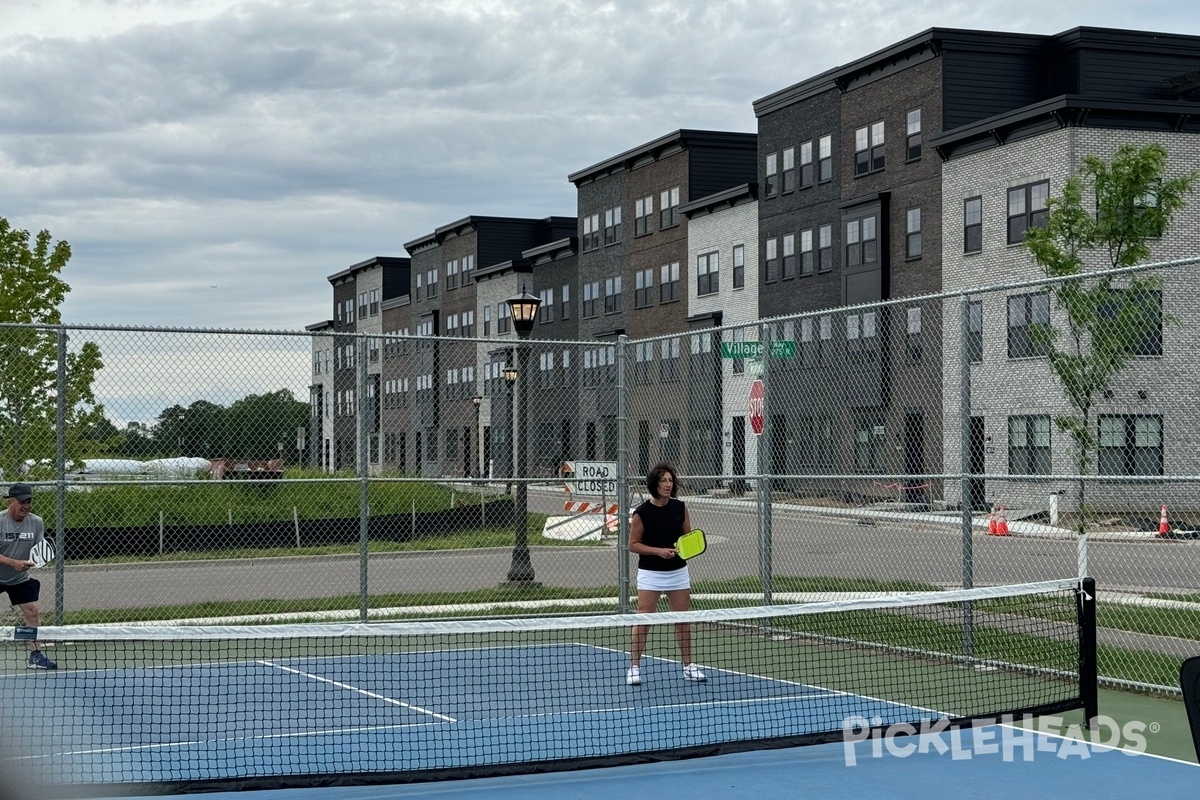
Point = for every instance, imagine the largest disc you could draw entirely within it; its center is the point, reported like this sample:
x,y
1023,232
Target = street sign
x,y
783,349
780,349
594,479
758,407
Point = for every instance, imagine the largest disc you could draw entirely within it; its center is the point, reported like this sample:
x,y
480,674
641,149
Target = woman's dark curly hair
x,y
655,475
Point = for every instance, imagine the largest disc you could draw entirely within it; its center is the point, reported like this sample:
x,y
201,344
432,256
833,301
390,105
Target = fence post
x,y
296,525
160,532
623,577
964,421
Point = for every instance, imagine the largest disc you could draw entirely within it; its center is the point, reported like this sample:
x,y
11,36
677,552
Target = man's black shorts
x,y
24,592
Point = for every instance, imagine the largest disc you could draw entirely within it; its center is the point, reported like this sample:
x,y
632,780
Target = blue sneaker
x,y
38,660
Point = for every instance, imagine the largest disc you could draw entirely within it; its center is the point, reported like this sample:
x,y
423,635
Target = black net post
x,y
1088,670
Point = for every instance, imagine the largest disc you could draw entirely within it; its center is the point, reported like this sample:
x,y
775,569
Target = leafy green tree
x,y
1107,217
31,292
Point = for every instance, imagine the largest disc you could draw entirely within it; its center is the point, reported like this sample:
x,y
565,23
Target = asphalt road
x,y
803,544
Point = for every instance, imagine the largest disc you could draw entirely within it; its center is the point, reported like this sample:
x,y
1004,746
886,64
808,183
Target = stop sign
x,y
758,404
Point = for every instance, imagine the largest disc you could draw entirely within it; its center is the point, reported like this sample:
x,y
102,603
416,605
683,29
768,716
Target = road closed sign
x,y
594,478
758,407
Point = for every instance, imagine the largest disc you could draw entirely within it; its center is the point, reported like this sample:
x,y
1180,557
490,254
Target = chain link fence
x,y
1007,435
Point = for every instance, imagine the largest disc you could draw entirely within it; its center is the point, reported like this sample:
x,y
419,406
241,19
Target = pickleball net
x,y
179,708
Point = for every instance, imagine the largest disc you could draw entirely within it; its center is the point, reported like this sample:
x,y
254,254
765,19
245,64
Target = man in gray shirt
x,y
20,530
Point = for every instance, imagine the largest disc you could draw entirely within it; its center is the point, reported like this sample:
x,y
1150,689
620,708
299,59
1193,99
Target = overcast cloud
x,y
211,163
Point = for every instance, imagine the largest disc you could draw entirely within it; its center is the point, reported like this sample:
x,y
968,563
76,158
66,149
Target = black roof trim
x,y
563,247
932,39
370,263
714,317
1066,110
610,334
726,198
319,326
684,137
493,270
863,199
465,225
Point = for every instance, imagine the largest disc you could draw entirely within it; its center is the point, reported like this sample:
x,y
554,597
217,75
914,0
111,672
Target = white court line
x,y
364,692
133,748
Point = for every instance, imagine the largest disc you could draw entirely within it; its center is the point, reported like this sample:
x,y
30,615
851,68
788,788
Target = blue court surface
x,y
398,712
241,720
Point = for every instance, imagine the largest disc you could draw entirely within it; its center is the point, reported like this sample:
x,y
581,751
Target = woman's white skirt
x,y
656,581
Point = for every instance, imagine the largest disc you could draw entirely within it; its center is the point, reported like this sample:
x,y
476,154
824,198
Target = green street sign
x,y
741,349
784,349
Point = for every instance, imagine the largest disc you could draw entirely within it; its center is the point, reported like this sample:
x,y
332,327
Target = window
x,y
975,332
806,164
350,311
591,232
644,357
789,256
1029,445
1026,209
591,299
431,283
362,304
566,302
669,212
862,246
913,343
668,289
739,266
546,309
912,233
452,274
643,288
643,211
860,332
468,324
825,153
374,302
739,364
789,169
806,252
468,266
825,243
487,321
668,365
503,318
913,138
973,225
771,261
1028,314
1134,318
612,225
1130,445
771,175
707,273
826,334
612,295
868,149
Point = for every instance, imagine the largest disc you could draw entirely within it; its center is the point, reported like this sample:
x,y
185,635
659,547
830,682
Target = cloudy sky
x,y
212,162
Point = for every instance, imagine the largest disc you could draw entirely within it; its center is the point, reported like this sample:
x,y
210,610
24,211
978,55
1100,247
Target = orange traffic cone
x,y
1164,527
1001,523
992,523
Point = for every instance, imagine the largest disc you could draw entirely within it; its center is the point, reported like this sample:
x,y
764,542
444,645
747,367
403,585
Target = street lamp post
x,y
524,308
477,401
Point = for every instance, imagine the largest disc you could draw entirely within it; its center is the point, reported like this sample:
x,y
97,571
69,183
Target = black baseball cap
x,y
20,491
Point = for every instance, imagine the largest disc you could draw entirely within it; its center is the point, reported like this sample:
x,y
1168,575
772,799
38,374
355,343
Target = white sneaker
x,y
633,677
692,673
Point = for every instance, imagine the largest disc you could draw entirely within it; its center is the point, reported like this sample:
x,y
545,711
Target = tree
x,y
1106,317
31,292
